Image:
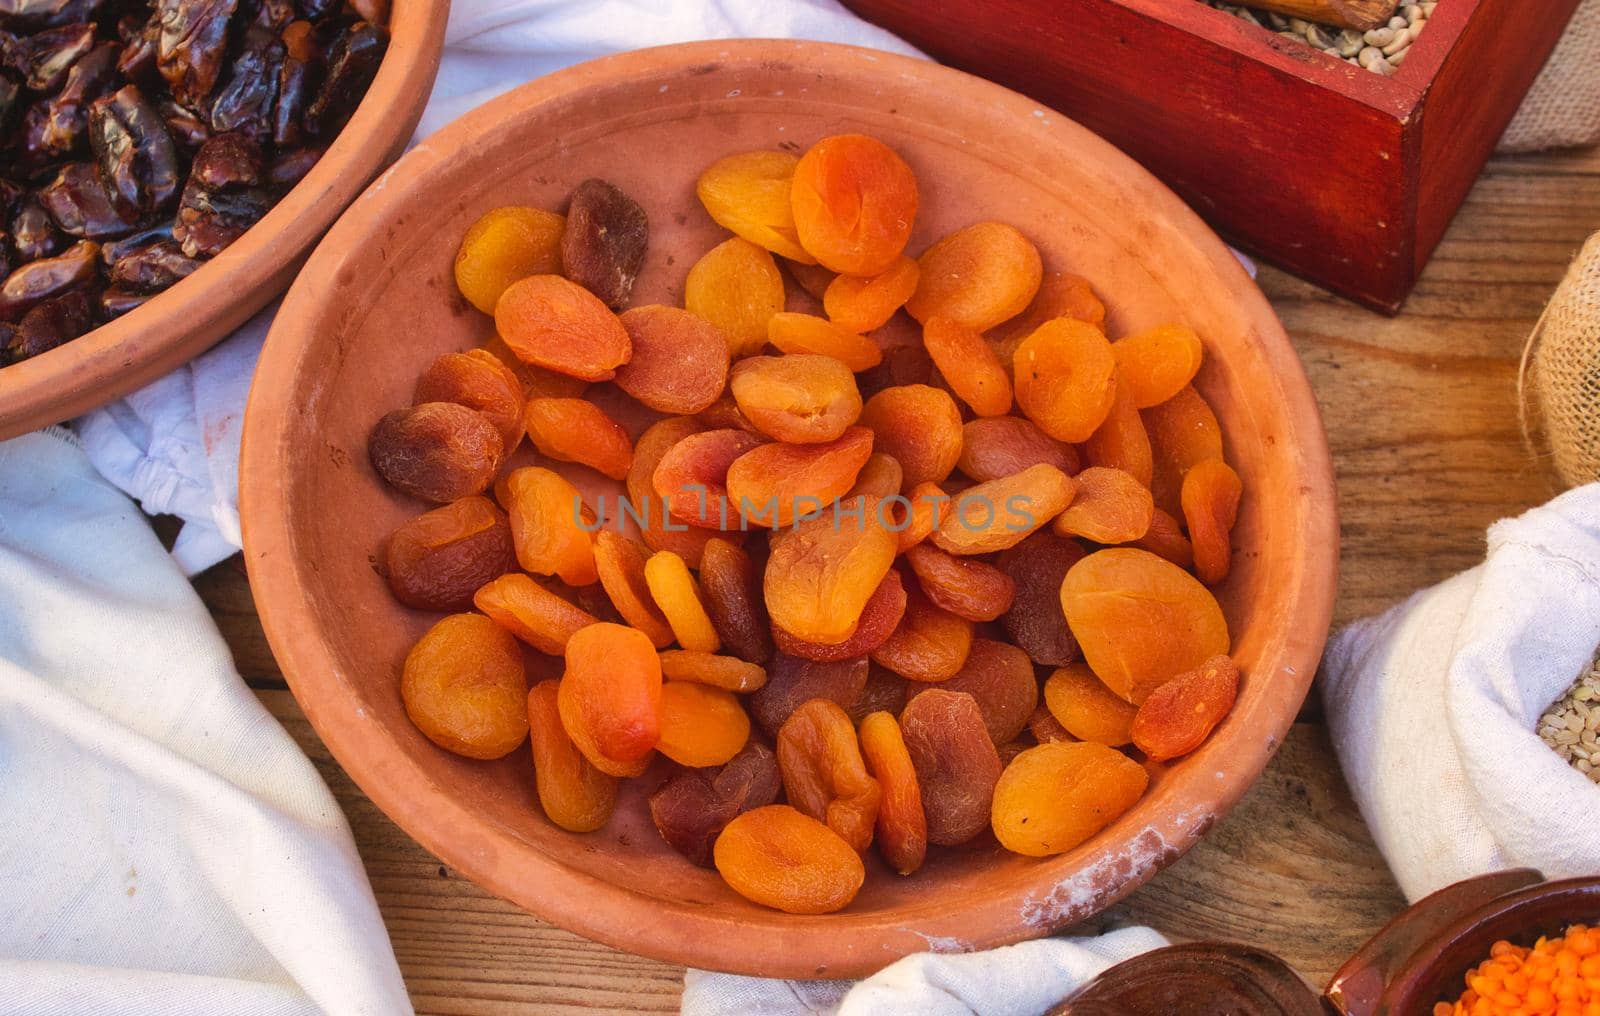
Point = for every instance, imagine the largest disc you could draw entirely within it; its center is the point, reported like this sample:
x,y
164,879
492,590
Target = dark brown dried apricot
x,y
440,558
691,808
555,323
1035,622
977,277
532,613
730,588
823,773
679,363
478,380
464,686
736,286
780,858
920,426
962,585
792,681
1056,796
885,691
602,248
1000,679
854,202
436,451
956,762
803,398
576,430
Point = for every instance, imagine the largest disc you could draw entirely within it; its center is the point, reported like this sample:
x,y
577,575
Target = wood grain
x,y
1421,415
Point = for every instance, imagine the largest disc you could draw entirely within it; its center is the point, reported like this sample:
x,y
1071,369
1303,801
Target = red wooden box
x,y
1326,169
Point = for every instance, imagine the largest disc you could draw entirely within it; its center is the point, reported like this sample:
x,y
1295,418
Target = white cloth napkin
x,y
166,846
1432,707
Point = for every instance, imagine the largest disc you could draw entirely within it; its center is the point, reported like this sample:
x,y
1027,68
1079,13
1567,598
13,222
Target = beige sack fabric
x,y
1561,371
1562,110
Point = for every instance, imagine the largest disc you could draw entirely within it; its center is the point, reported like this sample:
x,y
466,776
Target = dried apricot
x,y
691,808
783,859
1046,729
1110,507
1121,442
1002,513
772,484
1154,365
440,558
969,365
549,529
822,572
575,430
1183,431
854,203
1035,622
680,361
1179,716
532,613
1165,539
602,248
792,681
725,414
726,672
965,587
1066,378
806,333
1000,679
610,696
956,762
880,477
885,691
504,245
700,725
478,380
902,830
693,477
730,587
1059,296
920,426
925,507
436,451
860,305
736,286
573,793
535,381
823,773
463,686
554,323
647,508
620,563
1054,797
929,644
878,620
748,195
901,365
1210,497
814,279
802,399
1140,620
1086,708
678,595
977,277
999,446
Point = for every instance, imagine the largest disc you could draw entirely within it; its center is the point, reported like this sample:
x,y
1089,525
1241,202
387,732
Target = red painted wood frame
x,y
1340,175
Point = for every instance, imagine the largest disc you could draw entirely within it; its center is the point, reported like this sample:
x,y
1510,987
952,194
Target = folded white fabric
x,y
167,848
1016,980
1433,705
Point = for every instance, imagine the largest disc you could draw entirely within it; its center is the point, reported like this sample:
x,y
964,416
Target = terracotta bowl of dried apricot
x,y
778,507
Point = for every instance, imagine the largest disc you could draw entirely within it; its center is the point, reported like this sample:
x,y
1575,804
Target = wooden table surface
x,y
1421,412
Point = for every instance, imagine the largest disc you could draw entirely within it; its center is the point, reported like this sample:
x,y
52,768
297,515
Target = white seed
x,y
1413,14
1402,39
1396,59
1380,37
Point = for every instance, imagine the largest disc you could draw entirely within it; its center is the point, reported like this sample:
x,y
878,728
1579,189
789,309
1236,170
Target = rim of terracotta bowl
x,y
179,324
1061,890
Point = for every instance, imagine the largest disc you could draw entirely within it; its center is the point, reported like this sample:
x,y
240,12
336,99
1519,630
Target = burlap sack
x,y
1560,383
1562,110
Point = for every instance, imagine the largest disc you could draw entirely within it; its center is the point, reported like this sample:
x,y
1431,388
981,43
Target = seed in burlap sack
x,y
1561,371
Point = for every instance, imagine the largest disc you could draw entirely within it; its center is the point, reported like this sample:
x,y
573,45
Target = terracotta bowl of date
x,y
177,325
377,303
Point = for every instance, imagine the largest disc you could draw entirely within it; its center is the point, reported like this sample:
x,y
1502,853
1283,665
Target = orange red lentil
x,y
1557,977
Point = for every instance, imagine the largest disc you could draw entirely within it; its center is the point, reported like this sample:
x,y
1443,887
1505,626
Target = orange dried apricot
x,y
772,484
725,414
902,829
463,685
1086,708
620,563
575,430
1179,716
693,477
879,618
730,587
573,793
679,363
726,672
880,477
1060,295
802,399
962,585
783,859
647,508
1210,498
535,381
532,613
610,696
678,595
924,511
748,195
436,451
792,682
602,248
920,426
977,277
1000,679
549,529
478,380
1183,431
736,286
823,773
806,333
1154,365
1002,513
504,245
998,446
440,558
1066,378
1110,507
555,323
956,763
1165,539
1046,729
1121,442
822,572
1140,620
854,202
1055,796
691,808
860,305
1035,622
701,726
969,365
930,643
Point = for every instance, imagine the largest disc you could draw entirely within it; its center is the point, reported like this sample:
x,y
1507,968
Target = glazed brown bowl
x,y
181,323
377,302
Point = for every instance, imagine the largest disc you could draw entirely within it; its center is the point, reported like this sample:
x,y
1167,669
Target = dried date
x,y
134,153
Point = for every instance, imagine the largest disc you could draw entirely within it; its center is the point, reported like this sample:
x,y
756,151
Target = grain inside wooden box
x,y
1329,170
